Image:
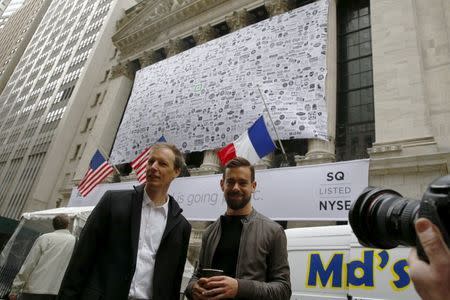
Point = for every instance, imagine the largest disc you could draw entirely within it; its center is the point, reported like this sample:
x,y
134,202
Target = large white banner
x,y
205,97
319,192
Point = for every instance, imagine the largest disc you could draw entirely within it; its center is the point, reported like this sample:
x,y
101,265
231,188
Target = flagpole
x,y
103,152
273,125
164,123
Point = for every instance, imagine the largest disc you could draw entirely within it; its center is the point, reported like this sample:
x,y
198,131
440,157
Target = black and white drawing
x,y
205,97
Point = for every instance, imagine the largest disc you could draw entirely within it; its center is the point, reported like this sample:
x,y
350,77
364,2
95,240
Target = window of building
x,y
194,159
160,54
188,42
114,54
86,125
76,152
355,130
106,76
258,14
102,97
97,99
92,123
221,29
298,3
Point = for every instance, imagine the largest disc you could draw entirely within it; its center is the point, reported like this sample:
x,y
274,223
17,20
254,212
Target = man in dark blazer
x,y
135,242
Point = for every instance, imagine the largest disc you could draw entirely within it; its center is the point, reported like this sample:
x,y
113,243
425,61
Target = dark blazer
x,y
104,260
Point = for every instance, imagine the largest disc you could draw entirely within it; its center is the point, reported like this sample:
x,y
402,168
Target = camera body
x,y
382,218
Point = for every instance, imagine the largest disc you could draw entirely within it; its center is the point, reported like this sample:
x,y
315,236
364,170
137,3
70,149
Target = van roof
x,y
320,237
319,231
51,213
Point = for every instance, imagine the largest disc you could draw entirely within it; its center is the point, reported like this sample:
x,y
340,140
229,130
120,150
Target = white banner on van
x,y
319,192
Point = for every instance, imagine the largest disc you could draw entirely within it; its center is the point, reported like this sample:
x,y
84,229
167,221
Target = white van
x,y
328,263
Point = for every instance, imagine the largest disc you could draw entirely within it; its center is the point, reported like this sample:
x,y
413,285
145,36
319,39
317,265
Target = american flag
x,y
99,169
140,162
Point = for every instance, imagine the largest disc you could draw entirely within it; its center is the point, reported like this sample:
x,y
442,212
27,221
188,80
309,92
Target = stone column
x,y
204,34
402,112
211,163
278,7
321,151
238,20
174,47
411,58
195,241
265,162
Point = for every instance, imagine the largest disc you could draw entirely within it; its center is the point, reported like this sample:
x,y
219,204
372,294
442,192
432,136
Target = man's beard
x,y
237,204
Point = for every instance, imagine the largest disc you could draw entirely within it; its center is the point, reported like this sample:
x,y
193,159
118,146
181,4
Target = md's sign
x,y
327,262
335,272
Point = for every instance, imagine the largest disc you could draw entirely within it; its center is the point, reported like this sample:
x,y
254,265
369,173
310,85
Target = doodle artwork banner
x,y
205,97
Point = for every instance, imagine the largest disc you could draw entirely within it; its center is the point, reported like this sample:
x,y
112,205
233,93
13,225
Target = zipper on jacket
x,y
214,246
243,232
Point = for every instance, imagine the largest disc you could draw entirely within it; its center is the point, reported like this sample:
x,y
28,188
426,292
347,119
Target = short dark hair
x,y
179,161
238,162
61,221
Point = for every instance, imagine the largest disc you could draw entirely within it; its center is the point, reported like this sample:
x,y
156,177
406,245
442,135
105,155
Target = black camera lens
x,y
382,218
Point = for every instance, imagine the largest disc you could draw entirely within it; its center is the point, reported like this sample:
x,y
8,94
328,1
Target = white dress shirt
x,y
153,223
45,265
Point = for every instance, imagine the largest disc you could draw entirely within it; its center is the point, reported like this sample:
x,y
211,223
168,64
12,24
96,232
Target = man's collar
x,y
148,201
62,230
248,217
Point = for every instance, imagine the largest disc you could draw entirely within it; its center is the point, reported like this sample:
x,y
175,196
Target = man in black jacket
x,y
135,242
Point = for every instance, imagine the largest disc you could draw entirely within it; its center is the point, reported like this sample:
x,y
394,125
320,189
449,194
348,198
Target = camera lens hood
x,y
362,213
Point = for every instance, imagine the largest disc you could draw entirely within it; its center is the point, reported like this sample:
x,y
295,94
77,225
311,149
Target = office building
x,y
10,7
46,97
16,34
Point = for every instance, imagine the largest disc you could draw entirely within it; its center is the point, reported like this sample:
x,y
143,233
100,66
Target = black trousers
x,y
37,297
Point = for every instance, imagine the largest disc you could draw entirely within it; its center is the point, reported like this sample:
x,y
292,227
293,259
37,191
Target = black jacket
x,y
104,260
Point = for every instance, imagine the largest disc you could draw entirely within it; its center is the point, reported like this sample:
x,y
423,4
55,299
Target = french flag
x,y
253,145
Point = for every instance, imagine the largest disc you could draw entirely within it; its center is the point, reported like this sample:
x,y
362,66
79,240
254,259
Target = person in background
x,y
431,280
250,248
41,274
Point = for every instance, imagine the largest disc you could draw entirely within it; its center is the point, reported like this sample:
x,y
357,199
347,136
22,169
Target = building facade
x,y
16,34
3,6
46,96
10,7
387,85
387,89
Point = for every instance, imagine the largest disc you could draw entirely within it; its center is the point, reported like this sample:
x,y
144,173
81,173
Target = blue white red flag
x,y
99,169
140,162
253,145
